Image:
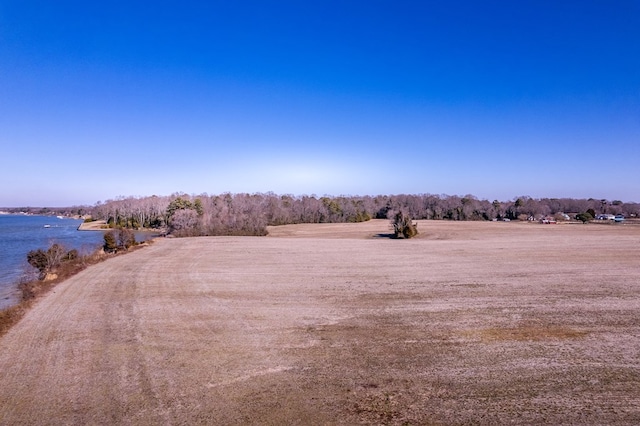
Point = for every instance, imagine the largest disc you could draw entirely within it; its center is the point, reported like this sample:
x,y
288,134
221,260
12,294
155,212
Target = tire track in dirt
x,y
122,361
82,358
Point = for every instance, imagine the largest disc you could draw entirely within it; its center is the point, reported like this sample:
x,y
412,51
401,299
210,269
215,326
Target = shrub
x,y
38,259
50,260
110,242
72,254
126,238
584,217
403,225
55,255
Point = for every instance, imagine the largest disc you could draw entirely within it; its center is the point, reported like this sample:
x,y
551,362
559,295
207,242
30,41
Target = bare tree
x,y
184,222
249,214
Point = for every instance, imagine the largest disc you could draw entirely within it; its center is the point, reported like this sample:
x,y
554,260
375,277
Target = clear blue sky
x,y
492,98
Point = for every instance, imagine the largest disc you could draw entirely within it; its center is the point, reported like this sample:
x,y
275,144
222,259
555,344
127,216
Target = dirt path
x,y
488,323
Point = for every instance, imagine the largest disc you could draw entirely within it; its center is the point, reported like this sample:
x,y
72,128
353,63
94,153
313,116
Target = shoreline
x,y
101,225
10,294
96,225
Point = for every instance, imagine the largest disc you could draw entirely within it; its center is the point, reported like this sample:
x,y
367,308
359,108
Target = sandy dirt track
x,y
471,323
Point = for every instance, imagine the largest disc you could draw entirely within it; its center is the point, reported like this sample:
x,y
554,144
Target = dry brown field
x,y
470,323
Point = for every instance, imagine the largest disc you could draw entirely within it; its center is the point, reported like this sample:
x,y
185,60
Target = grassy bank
x,y
32,290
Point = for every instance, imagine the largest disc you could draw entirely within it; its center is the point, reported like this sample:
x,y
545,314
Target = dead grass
x,y
527,333
468,323
11,315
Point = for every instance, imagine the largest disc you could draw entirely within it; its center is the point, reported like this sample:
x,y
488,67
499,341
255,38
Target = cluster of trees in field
x,y
250,214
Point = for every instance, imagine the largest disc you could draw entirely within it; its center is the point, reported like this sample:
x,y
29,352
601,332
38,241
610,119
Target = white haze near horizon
x,y
325,98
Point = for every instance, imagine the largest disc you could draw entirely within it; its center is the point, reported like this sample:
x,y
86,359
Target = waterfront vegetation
x,y
55,265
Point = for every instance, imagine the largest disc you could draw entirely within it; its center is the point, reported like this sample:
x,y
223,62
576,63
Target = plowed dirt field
x,y
471,323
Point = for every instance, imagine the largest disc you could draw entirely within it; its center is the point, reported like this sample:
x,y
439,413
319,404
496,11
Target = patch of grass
x,y
527,333
11,315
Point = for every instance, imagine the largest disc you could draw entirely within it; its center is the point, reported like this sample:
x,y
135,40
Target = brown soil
x,y
471,323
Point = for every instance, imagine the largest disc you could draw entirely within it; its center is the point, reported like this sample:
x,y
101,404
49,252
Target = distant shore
x,y
96,225
101,225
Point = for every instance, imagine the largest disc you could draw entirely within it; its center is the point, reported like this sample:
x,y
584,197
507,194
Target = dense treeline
x,y
250,214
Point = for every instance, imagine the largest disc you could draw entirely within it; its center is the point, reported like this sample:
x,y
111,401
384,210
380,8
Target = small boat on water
x,y
47,226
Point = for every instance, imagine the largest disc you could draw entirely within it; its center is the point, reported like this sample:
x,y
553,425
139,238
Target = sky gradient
x,y
496,99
